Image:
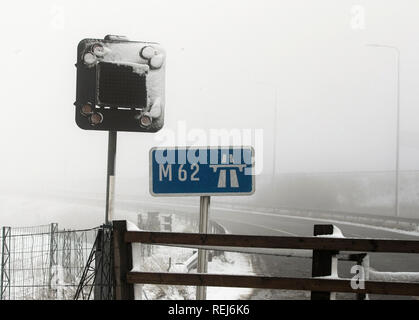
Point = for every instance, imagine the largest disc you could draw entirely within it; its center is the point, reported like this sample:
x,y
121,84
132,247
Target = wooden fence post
x,y
363,260
322,261
122,262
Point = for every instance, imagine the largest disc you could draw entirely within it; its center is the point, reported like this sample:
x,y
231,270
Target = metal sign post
x,y
120,87
201,291
110,179
203,172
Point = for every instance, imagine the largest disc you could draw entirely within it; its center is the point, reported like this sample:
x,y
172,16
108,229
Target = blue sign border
x,y
201,193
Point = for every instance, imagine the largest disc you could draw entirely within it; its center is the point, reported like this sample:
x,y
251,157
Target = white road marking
x,y
260,226
354,234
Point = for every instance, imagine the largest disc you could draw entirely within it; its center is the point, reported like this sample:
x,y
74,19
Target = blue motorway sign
x,y
199,171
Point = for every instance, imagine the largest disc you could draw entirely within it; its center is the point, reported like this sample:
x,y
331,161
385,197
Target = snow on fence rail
x,y
42,262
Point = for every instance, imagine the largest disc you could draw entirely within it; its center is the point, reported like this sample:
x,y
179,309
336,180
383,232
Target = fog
x,y
299,70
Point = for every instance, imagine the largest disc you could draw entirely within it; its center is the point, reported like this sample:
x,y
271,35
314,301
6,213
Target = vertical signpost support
x,y
201,291
110,179
120,87
181,171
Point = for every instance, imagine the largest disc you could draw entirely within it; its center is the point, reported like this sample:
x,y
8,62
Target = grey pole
x,y
201,291
275,129
397,122
110,180
275,136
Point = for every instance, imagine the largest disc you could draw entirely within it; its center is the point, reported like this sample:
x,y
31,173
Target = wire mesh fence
x,y
43,262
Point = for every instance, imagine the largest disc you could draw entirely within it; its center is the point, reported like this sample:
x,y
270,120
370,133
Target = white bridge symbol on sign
x,y
222,179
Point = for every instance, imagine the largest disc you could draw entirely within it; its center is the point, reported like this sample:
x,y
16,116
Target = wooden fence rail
x,y
249,241
285,283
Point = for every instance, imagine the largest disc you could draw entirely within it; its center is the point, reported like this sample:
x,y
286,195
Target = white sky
x,y
336,98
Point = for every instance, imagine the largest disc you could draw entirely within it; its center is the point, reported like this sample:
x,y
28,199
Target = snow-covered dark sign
x,y
203,171
120,85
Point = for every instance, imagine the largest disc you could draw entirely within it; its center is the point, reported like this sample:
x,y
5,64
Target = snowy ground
x,y
230,263
233,263
171,259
